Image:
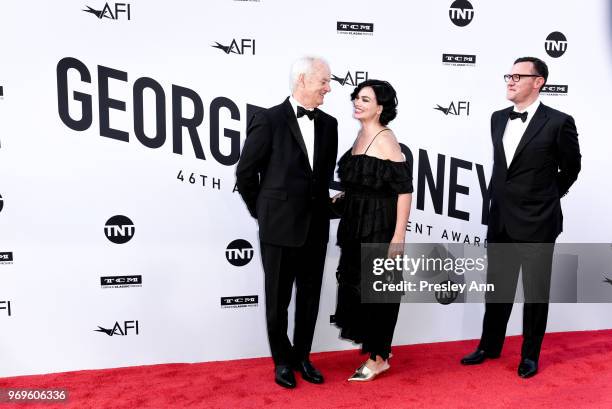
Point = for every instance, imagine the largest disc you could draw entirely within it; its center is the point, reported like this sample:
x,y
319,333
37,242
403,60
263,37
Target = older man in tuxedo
x,y
536,158
283,176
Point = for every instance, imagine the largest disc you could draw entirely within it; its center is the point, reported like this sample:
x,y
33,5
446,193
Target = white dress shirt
x,y
307,130
515,128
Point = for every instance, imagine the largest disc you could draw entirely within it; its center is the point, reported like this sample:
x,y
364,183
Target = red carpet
x,y
575,372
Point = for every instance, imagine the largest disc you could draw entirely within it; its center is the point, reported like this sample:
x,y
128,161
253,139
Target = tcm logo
x,y
459,59
353,79
239,252
550,89
461,13
119,229
1,92
1,203
121,10
129,327
6,257
6,305
239,302
121,281
345,27
244,46
555,44
459,108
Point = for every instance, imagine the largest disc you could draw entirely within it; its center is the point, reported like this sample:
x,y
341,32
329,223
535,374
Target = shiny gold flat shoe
x,y
365,374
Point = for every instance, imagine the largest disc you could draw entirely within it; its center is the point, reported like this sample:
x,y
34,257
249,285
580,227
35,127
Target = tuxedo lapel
x,y
319,127
535,125
295,129
498,134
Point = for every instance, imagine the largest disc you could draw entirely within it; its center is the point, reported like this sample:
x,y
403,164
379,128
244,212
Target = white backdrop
x,y
59,186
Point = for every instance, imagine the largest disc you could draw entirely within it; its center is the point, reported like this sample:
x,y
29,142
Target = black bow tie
x,y
514,115
301,111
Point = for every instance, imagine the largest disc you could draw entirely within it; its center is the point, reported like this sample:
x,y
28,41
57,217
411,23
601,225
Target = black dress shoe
x,y
477,357
527,368
283,375
309,372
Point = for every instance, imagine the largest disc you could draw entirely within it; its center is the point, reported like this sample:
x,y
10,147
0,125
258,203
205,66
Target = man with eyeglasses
x,y
536,158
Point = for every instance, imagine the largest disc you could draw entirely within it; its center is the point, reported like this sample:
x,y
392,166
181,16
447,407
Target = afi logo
x,y
119,229
119,330
245,45
239,252
555,44
352,80
107,11
461,13
462,107
6,305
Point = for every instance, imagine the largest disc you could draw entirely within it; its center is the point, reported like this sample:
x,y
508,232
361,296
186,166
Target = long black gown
x,y
371,187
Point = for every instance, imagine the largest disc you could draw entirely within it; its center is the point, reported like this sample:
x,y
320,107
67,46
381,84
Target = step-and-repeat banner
x,y
123,240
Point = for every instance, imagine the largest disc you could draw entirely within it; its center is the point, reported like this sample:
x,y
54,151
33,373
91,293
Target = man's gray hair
x,y
303,65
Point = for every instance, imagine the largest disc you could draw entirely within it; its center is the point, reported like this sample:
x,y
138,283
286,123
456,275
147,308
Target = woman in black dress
x,y
377,183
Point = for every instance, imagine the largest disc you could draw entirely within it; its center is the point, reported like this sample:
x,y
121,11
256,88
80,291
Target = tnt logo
x,y
121,10
555,44
239,253
352,79
244,46
6,305
128,328
119,229
448,296
460,108
461,13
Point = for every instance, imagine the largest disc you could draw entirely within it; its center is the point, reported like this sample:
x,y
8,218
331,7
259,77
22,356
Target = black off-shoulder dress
x,y
371,187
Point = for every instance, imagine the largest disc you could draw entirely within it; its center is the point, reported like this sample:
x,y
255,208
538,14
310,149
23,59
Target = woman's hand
x,y
338,196
396,247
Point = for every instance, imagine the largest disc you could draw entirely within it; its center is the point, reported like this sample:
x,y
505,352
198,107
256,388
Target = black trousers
x,y
506,257
282,267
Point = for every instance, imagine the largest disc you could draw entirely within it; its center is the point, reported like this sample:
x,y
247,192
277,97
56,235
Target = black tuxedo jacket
x,y
525,192
276,181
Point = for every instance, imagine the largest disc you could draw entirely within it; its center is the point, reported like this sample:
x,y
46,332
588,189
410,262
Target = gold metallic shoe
x,y
364,374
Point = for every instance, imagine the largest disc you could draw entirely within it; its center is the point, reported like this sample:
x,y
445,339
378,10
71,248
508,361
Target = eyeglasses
x,y
517,77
